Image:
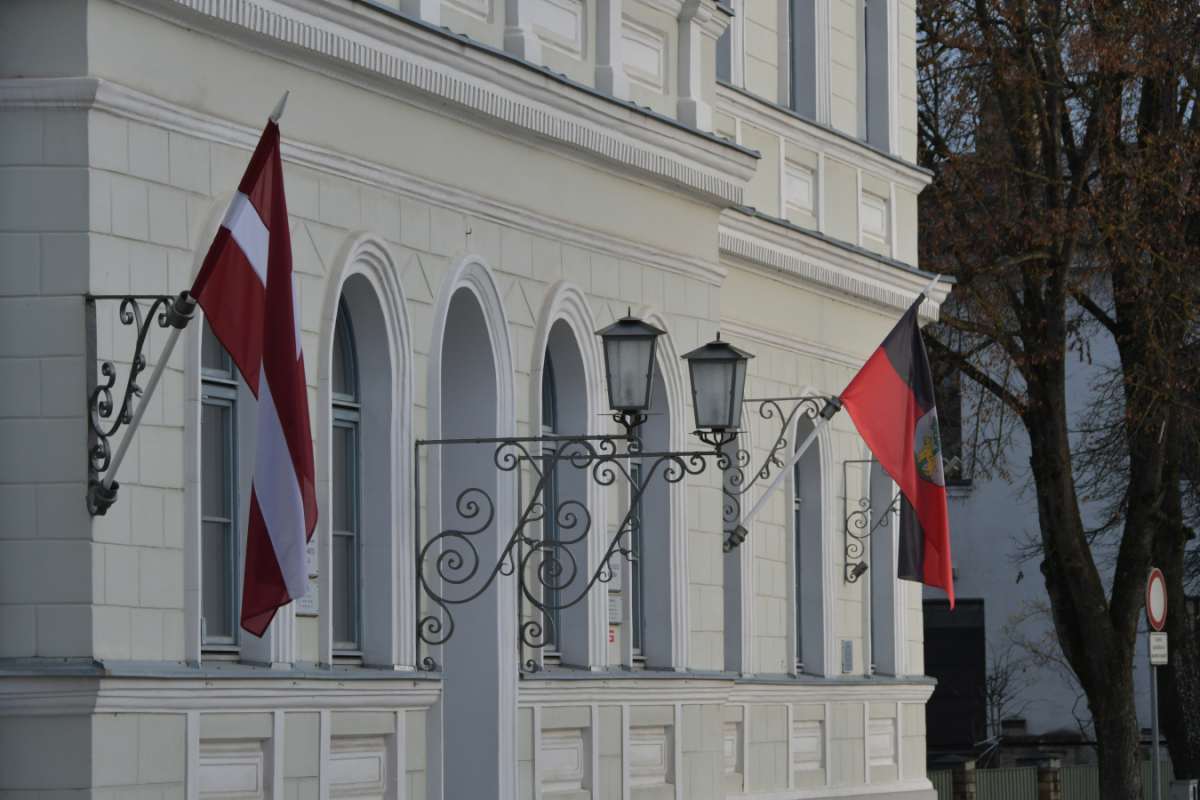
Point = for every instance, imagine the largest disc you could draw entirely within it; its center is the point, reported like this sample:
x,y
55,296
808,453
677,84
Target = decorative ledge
x,y
479,86
821,262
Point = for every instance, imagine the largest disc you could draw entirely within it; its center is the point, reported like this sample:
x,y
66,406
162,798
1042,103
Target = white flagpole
x,y
832,406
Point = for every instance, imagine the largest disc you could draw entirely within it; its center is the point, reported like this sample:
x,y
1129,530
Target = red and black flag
x,y
891,403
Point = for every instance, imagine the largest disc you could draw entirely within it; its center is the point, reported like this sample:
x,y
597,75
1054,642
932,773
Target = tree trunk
x,y
1179,681
1099,652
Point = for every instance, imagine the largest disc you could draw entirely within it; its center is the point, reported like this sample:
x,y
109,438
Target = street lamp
x,y
718,372
629,347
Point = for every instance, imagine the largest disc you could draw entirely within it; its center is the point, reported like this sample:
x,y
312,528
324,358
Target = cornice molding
x,y
771,118
830,692
112,98
824,266
56,696
452,76
794,344
624,690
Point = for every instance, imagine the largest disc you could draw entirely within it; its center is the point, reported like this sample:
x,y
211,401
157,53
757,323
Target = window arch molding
x,y
388,638
819,648
565,301
473,274
669,363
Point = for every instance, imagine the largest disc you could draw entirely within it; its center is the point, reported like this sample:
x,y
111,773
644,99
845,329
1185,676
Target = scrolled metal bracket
x,y
736,463
169,312
550,577
859,526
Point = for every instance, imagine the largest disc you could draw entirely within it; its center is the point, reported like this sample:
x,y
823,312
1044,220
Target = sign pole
x,y
1156,615
1156,776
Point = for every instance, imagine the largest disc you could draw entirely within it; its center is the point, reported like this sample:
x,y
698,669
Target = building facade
x,y
474,188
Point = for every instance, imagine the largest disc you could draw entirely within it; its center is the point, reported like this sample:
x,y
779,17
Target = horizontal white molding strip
x,y
822,692
760,243
652,148
783,341
652,691
121,101
57,695
854,791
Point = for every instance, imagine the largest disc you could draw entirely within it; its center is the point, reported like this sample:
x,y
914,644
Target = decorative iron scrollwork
x,y
545,568
859,525
170,312
735,463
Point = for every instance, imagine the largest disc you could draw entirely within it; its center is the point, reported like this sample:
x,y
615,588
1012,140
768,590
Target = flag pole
x,y
739,533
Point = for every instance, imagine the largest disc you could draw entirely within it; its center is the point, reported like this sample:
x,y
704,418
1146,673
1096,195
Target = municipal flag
x,y
891,403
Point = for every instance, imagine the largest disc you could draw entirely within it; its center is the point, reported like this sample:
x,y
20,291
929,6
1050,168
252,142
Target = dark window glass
x,y
345,580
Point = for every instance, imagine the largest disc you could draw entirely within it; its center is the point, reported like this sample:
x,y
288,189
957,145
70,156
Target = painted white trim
x,y
50,695
390,56
474,274
565,301
822,266
746,562
365,254
606,690
784,341
855,790
818,138
680,570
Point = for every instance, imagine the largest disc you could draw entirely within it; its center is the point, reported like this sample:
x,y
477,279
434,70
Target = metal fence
x,y
1020,783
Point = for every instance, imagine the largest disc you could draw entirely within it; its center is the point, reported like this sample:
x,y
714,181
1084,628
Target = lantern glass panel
x,y
630,360
739,390
712,382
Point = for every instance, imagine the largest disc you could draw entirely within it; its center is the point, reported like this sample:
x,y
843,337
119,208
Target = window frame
x,y
346,414
219,388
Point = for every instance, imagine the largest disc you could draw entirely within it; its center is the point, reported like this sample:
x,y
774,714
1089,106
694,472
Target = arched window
x,y
218,498
345,470
807,545
564,412
550,500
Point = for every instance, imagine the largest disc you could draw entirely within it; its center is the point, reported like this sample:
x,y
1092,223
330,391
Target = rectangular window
x,y
218,496
344,524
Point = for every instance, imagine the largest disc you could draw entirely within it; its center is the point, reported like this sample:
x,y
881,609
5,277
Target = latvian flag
x,y
891,403
245,288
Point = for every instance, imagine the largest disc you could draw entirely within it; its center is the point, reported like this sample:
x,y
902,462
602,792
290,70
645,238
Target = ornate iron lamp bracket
x,y
735,463
859,526
549,575
169,312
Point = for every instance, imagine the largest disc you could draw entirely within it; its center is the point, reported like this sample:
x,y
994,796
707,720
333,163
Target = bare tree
x,y
1064,137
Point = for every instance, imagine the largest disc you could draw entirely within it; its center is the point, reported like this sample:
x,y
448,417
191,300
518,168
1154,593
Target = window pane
x,y
342,385
342,584
215,560
214,422
212,354
343,478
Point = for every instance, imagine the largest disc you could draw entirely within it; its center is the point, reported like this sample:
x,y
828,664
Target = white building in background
x,y
475,186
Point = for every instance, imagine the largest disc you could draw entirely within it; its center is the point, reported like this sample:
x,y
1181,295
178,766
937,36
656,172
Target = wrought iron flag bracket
x,y
859,527
169,312
736,463
549,575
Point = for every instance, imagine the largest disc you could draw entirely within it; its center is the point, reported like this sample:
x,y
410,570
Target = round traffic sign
x,y
1156,599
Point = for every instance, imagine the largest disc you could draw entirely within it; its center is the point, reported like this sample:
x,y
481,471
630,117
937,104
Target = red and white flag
x,y
245,288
